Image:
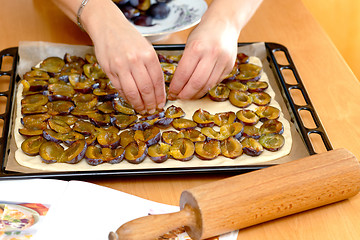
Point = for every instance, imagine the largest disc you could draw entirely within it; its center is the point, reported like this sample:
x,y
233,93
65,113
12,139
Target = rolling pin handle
x,y
160,224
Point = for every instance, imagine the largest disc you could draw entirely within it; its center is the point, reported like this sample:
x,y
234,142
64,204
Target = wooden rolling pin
x,y
248,199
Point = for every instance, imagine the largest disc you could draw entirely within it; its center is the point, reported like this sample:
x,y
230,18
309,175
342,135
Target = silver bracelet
x,y
83,3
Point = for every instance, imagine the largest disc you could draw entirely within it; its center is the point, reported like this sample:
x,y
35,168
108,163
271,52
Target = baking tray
x,y
284,87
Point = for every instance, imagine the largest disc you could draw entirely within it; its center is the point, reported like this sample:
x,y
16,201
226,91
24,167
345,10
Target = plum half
x,y
174,112
159,113
60,107
96,155
219,93
28,132
36,74
59,126
247,117
181,123
50,152
248,72
99,120
260,98
203,118
240,99
37,99
85,101
192,134
242,58
69,119
60,92
224,118
123,107
108,138
52,65
271,126
150,136
106,107
37,121
182,149
85,128
211,133
272,142
93,71
127,137
104,95
267,113
231,148
31,146
122,121
159,152
236,86
257,86
233,130
251,131
207,150
169,137
135,152
252,147
74,153
31,109
80,83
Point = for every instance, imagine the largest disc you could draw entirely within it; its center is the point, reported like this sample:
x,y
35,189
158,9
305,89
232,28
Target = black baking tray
x,y
277,68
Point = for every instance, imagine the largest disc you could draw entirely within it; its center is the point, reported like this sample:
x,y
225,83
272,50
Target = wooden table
x,y
331,85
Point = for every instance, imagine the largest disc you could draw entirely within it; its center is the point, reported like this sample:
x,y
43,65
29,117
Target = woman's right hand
x,y
127,58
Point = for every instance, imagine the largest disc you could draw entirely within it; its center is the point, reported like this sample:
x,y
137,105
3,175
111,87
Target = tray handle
x,y
294,108
5,116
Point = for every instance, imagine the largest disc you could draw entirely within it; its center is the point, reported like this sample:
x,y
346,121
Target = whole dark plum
x,y
142,5
159,10
121,2
143,20
134,3
163,1
129,11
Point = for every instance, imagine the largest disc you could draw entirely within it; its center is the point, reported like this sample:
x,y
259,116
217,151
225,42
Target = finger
x,y
214,79
131,92
157,78
122,94
183,72
115,81
198,80
145,87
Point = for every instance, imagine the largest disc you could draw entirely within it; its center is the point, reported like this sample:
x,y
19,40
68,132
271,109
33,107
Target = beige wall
x,y
341,20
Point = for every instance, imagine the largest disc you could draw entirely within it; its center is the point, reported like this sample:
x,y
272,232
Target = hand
x,y
208,57
130,62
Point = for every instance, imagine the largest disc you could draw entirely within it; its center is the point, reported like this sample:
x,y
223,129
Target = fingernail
x,y
161,106
172,96
152,111
143,112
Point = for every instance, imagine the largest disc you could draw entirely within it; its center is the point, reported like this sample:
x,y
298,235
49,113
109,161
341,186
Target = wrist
x,y
233,14
98,16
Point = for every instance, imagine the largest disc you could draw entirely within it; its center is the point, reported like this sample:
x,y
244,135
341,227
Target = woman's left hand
x,y
208,57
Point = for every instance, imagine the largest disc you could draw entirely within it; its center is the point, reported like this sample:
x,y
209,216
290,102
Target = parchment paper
x,y
31,53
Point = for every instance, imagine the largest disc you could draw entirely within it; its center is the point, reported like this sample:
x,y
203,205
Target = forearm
x,y
93,15
127,58
234,13
69,7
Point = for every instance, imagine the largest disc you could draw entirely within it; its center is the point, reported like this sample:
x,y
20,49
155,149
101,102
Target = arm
x,y
127,58
211,48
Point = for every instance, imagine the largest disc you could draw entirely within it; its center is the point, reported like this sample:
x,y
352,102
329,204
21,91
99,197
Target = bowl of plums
x,y
156,19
